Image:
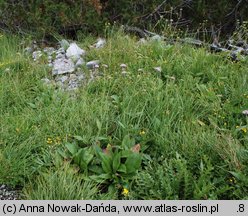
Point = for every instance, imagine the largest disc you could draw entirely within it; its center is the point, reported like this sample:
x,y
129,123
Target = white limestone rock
x,y
63,66
74,51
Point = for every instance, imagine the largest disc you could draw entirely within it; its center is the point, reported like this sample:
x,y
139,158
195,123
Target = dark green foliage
x,y
70,16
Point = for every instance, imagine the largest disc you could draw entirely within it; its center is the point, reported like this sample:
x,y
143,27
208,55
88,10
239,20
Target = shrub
x,y
69,16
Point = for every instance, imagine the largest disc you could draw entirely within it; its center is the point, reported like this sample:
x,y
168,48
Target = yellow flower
x,y
58,140
244,130
142,132
232,180
49,140
125,192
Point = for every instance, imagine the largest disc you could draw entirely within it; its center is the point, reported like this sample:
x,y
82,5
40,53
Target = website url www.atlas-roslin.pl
x,y
172,208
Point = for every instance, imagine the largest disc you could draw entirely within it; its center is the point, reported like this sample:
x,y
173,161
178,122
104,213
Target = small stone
x,y
49,50
156,38
100,43
46,81
2,187
73,76
61,50
142,41
28,50
81,77
80,62
158,69
60,55
62,79
92,64
36,55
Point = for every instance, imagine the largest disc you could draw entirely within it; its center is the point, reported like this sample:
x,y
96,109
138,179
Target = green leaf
x,y
128,142
79,138
63,153
72,148
88,155
99,124
32,105
83,166
240,176
122,168
122,125
116,161
78,157
133,162
126,153
106,163
100,178
95,169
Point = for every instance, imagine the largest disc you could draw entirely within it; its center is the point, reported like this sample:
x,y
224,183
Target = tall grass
x,y
194,132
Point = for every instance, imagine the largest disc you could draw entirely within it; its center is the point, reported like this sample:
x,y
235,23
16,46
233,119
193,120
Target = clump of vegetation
x,y
174,133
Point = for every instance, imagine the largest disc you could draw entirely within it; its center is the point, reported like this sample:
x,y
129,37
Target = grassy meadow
x,y
175,134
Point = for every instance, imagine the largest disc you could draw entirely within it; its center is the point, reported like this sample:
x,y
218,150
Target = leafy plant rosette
x,y
112,167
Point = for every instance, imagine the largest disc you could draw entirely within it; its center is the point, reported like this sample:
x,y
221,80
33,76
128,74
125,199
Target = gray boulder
x,y
74,51
63,66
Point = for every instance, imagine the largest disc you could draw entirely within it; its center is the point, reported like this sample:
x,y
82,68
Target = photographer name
x,y
67,208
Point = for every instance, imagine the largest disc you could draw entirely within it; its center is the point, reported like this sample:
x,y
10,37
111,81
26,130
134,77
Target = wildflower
x,y
49,140
125,192
142,132
244,130
237,126
58,140
123,67
232,180
245,112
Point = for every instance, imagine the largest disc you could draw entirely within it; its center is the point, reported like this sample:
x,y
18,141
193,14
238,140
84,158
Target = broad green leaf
x,y
126,153
88,155
116,161
96,169
133,162
78,157
100,178
106,163
63,153
122,168
72,148
128,142
83,165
